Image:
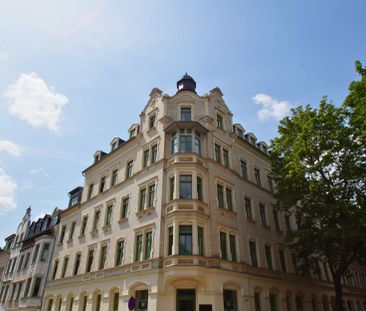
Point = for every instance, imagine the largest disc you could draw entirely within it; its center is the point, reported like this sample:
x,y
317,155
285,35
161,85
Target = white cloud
x,y
271,107
7,189
38,172
33,101
10,147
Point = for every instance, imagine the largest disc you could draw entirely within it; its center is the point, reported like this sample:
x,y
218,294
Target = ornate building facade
x,y
30,250
180,216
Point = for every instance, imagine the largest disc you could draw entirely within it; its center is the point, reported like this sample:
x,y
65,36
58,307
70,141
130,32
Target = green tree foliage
x,y
320,168
355,103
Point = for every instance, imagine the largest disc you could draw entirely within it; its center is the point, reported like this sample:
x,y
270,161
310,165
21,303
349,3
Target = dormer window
x,y
114,145
132,133
185,114
133,130
152,120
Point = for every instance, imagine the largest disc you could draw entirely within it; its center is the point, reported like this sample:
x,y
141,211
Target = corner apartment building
x,y
180,216
27,267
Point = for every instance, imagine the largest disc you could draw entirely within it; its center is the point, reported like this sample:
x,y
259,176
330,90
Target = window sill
x,y
266,226
122,220
106,227
145,212
81,236
252,221
69,241
226,212
94,232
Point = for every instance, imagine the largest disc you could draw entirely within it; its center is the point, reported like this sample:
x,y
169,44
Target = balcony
x,y
186,157
180,205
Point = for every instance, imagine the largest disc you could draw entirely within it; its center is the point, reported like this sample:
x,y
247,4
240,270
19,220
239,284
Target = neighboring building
x,y
5,254
181,217
25,277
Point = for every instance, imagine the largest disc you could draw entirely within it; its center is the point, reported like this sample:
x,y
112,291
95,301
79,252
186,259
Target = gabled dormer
x,y
238,130
251,138
116,142
133,130
75,196
98,155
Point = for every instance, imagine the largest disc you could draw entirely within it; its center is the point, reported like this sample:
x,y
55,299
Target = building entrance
x,y
186,300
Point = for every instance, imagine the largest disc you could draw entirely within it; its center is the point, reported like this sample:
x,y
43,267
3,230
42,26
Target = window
x,y
287,221
257,301
186,141
72,230
98,301
219,122
185,187
129,169
226,157
229,199
185,114
26,261
232,247
124,210
243,169
55,267
141,300
230,300
220,195
151,196
170,241
64,267
50,304
115,301
146,158
148,242
185,240
21,263
262,210
200,238
253,253
273,302
199,189
45,252
108,216
270,183
114,177
37,285
154,153
83,225
275,219
103,257
138,247
77,264
62,235
281,253
223,245
96,219
217,153
35,255
152,120
90,191
142,199
27,288
119,252
133,133
71,303
268,252
248,208
90,260
171,187
102,184
257,176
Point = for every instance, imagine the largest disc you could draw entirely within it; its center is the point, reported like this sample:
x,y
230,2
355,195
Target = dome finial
x,y
186,83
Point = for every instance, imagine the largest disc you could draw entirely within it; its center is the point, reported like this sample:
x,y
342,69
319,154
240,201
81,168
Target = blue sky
x,y
75,74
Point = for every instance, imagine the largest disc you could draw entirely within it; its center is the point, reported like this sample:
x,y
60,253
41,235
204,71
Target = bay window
x,y
187,140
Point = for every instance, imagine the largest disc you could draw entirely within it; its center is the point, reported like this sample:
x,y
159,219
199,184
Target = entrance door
x,y
186,300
